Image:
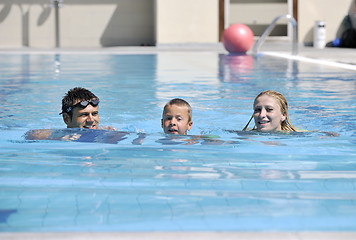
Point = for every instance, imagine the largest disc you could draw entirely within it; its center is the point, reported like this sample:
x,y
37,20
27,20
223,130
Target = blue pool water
x,y
146,181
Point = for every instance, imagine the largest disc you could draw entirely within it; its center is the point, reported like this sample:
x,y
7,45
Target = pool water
x,y
217,178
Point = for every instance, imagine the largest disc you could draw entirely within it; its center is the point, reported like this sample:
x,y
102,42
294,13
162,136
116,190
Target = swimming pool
x,y
224,181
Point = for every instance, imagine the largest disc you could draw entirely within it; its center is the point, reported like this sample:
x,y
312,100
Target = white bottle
x,y
319,34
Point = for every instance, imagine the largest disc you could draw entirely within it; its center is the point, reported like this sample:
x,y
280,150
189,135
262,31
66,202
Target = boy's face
x,y
175,120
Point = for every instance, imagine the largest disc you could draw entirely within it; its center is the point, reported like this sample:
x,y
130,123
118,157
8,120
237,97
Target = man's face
x,y
87,117
175,120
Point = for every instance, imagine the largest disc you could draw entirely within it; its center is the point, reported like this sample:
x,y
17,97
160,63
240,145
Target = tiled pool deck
x,y
337,55
329,55
182,235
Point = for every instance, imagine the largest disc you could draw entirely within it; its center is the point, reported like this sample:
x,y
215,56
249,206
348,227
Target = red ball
x,y
238,38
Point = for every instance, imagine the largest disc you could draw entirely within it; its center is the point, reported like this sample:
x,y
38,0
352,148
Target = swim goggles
x,y
82,104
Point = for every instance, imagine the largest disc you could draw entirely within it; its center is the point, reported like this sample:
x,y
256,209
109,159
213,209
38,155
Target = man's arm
x,y
38,134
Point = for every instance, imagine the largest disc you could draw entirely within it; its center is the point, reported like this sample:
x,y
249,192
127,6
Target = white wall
x,y
255,12
330,11
98,23
110,23
187,21
258,15
89,23
23,23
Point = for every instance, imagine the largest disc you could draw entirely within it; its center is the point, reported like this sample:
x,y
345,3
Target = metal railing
x,y
257,45
56,4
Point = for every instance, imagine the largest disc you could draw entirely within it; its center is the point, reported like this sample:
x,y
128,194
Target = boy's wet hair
x,y
182,103
75,95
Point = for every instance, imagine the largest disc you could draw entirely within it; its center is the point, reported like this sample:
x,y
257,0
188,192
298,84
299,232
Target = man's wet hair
x,y
74,96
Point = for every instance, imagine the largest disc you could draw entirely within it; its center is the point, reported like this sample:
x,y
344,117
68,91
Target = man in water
x,y
80,109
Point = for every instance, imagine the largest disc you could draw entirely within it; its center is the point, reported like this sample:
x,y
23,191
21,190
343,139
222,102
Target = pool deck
x,y
182,236
345,57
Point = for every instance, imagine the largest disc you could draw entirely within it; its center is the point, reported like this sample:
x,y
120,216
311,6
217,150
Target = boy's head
x,y
177,117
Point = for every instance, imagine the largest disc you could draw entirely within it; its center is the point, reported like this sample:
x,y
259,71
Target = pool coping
x,y
344,58
312,60
180,235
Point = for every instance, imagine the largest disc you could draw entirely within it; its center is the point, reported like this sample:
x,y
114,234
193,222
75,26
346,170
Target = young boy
x,y
177,117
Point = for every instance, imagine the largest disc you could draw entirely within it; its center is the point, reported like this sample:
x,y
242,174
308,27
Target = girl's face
x,y
267,114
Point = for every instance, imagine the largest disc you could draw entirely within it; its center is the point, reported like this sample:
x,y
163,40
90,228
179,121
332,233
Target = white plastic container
x,y
319,34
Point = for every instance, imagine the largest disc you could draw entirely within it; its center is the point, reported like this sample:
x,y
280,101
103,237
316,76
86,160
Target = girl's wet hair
x,y
286,125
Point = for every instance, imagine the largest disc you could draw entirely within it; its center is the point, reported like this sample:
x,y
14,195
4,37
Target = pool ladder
x,y
257,45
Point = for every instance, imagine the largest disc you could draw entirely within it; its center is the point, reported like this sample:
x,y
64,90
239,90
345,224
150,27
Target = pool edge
x,y
312,60
180,235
